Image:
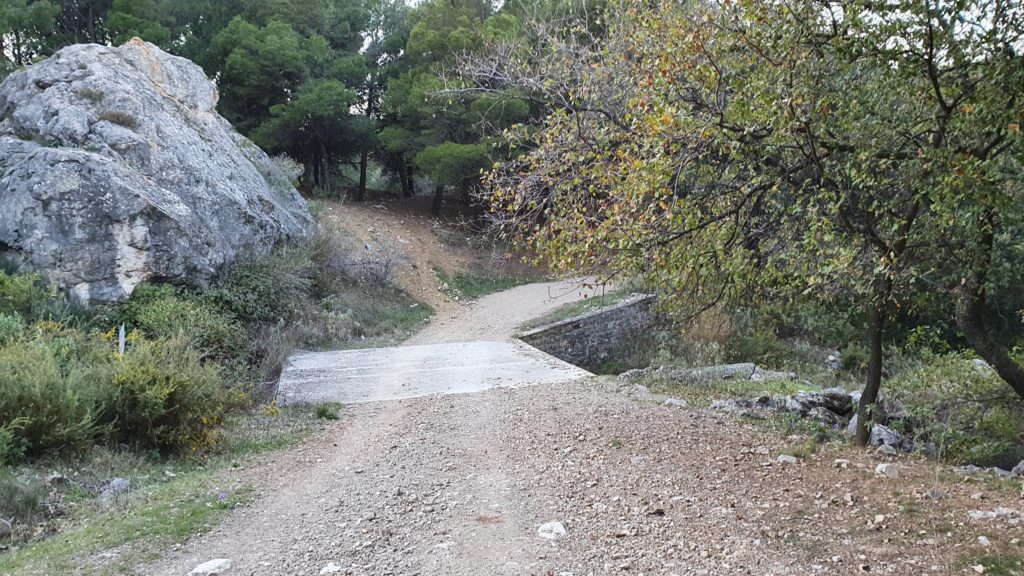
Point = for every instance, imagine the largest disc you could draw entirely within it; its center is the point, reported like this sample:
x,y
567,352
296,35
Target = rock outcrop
x,y
115,168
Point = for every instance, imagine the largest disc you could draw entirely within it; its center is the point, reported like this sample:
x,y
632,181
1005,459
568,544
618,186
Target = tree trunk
x,y
435,207
325,168
410,180
971,310
363,161
874,378
405,176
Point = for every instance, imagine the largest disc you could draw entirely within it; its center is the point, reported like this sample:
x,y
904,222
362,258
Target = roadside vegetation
x,y
960,411
197,365
474,283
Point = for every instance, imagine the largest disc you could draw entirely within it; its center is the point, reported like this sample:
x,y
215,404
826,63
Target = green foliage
x,y
164,398
25,25
855,358
21,500
146,19
995,564
21,293
453,164
963,408
53,397
327,411
267,290
754,339
725,161
473,284
12,447
12,327
163,312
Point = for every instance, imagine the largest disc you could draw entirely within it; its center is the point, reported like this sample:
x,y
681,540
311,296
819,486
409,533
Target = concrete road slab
x,y
375,374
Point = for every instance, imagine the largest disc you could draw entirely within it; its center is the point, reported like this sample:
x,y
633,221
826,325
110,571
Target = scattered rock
x,y
116,168
882,435
551,530
1018,470
217,566
826,417
675,402
114,488
834,361
787,459
984,541
998,513
886,450
887,470
331,568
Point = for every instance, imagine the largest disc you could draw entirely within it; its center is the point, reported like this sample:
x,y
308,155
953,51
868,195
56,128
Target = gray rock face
x,y
116,168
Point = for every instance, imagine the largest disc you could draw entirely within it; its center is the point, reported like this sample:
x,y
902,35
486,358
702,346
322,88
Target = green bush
x,y
963,407
20,293
270,289
754,340
21,501
48,396
12,448
163,311
163,397
12,327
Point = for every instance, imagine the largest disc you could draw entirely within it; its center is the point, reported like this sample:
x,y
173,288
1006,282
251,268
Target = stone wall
x,y
598,337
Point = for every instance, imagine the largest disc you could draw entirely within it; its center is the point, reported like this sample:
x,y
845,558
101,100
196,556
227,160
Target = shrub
x,y
163,311
288,167
963,407
164,398
270,289
21,293
12,448
21,501
46,395
754,339
12,327
327,411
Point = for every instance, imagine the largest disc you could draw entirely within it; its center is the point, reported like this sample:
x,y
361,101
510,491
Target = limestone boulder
x,y
116,168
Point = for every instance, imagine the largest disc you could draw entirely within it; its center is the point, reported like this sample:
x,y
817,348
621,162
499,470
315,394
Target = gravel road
x,y
460,485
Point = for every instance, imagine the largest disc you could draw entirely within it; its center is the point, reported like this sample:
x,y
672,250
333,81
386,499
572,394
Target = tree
x,y
80,22
452,164
146,19
24,27
313,127
386,35
261,66
870,151
428,113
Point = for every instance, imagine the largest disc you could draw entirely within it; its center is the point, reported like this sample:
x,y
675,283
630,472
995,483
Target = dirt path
x,y
459,485
498,316
407,231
